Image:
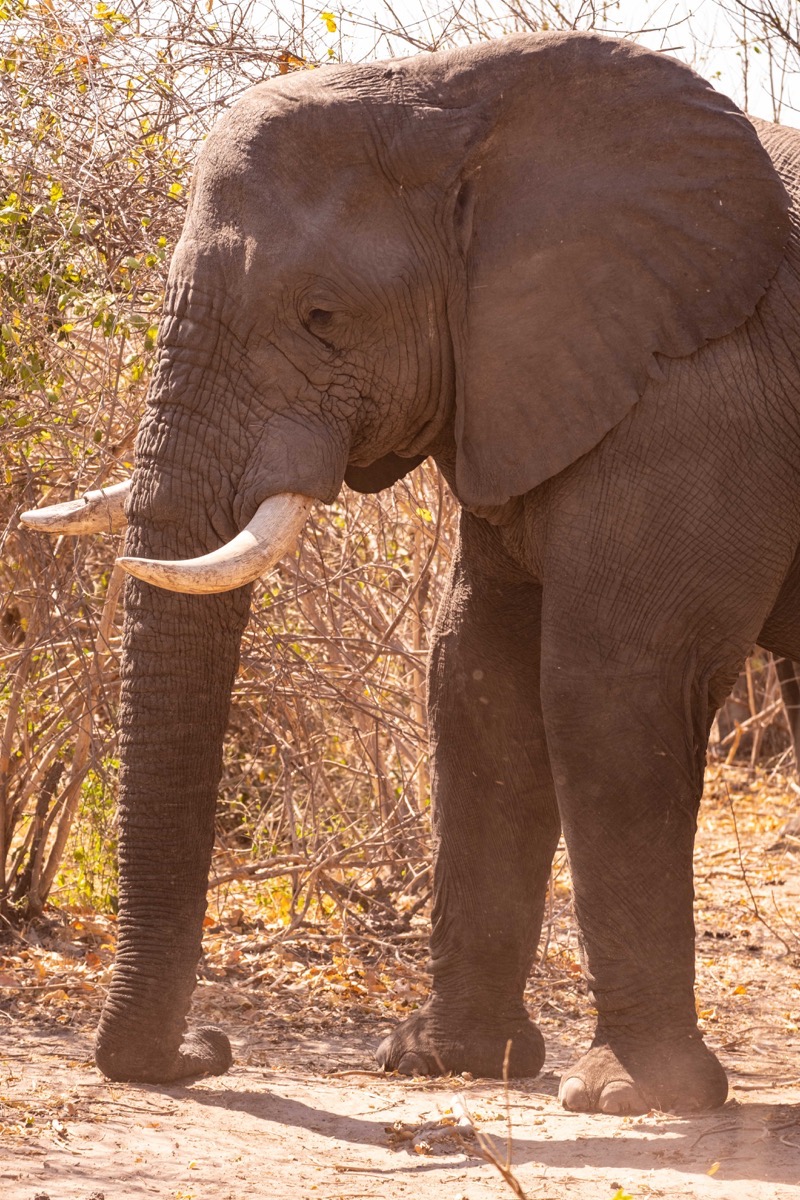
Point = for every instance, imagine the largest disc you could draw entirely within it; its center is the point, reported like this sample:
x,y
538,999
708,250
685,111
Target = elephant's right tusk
x,y
102,511
251,553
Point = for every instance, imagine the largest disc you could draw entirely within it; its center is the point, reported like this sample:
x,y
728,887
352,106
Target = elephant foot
x,y
204,1051
680,1076
435,1042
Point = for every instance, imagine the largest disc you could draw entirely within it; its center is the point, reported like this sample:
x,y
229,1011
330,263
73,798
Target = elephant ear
x,y
620,209
381,474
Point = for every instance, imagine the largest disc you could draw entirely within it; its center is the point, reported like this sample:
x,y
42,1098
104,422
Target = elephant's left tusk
x,y
251,553
101,511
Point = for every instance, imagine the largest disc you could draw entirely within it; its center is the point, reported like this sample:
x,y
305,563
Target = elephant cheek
x,y
294,453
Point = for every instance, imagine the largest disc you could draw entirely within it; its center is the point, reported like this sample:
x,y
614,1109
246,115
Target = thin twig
x,y
486,1145
753,901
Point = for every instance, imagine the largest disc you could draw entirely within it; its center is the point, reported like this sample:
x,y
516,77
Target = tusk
x,y
102,511
251,553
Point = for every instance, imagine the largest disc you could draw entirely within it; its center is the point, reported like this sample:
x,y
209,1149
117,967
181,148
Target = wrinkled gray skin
x,y
563,267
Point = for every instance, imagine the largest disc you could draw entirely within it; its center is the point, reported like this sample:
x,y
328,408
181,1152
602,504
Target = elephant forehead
x,y
283,192
289,152
283,238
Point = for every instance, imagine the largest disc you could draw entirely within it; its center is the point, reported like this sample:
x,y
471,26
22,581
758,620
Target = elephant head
x,y
479,254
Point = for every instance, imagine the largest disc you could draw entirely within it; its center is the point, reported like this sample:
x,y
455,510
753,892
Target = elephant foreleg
x,y
642,638
495,822
630,774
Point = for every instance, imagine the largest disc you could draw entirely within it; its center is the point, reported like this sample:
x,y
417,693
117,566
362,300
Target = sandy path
x,y
292,1129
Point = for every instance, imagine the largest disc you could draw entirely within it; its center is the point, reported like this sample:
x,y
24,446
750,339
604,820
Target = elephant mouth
x,y
261,544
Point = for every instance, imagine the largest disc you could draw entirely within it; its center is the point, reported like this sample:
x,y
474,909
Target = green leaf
x,y
12,8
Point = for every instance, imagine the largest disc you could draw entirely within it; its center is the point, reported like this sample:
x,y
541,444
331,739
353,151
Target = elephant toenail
x,y
413,1064
573,1095
384,1053
621,1098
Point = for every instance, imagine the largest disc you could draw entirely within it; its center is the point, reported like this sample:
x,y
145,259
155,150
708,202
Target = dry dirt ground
x,y
303,1113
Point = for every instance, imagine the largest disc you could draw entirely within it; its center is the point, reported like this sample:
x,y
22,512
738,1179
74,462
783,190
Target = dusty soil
x,y
303,1113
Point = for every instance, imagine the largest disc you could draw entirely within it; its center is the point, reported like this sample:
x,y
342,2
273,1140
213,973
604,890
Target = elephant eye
x,y
319,322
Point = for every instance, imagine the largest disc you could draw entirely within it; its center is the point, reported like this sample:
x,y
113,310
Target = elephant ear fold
x,y
620,209
380,474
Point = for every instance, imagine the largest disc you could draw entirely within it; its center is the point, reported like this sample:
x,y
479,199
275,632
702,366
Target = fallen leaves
x,y
444,1135
63,967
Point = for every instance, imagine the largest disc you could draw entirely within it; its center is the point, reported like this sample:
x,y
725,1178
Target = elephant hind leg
x,y
495,820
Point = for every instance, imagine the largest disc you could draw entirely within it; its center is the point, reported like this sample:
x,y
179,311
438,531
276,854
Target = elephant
x,y
568,270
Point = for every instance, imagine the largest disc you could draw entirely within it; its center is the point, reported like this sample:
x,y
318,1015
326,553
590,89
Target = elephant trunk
x,y
209,450
179,660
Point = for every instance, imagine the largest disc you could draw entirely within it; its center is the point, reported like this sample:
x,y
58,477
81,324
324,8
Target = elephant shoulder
x,y
782,143
782,300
